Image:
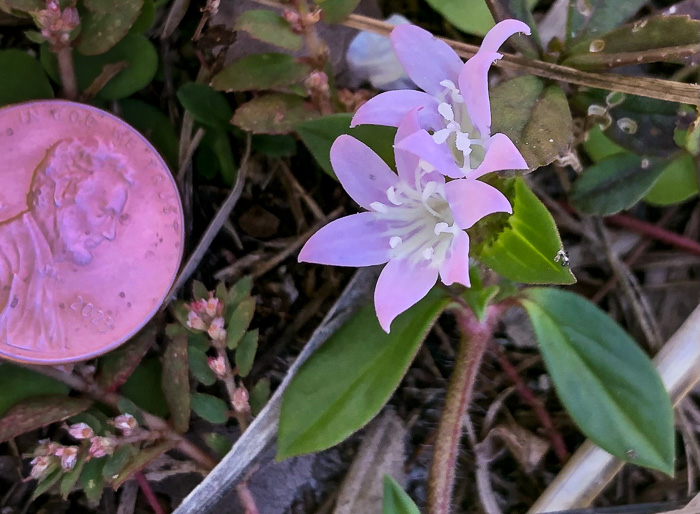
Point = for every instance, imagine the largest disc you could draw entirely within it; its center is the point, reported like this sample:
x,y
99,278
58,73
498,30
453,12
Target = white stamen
x,y
441,135
391,195
449,85
440,228
428,253
464,143
429,189
446,111
379,207
395,241
426,166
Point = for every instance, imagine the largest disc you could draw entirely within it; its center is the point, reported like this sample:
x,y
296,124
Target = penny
x,y
91,232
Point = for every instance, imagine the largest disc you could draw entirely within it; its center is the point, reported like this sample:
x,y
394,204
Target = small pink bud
x,y
126,423
213,307
317,81
294,20
40,467
240,399
69,456
195,322
216,330
81,431
218,366
101,446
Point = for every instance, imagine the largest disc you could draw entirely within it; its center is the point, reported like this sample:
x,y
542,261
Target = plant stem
x,y
472,346
228,381
155,423
147,491
67,71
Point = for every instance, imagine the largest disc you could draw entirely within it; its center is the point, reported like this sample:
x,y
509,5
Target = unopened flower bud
x,y
317,81
40,467
216,330
195,321
80,431
218,366
126,423
240,399
214,307
294,20
69,456
101,446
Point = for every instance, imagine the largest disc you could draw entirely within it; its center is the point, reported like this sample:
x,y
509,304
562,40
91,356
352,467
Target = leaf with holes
x,y
614,184
524,250
607,383
535,116
270,27
590,18
349,379
37,412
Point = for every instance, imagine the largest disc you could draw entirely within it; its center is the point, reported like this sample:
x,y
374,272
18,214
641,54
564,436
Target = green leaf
x,y
270,27
175,382
145,19
349,379
136,50
117,366
478,299
199,290
154,125
658,36
525,249
214,156
209,407
239,321
472,17
143,388
23,78
199,366
273,114
238,292
199,341
140,461
678,182
219,443
71,477
606,382
92,481
396,501
17,384
245,354
94,418
336,10
22,6
259,396
126,406
207,106
102,28
114,464
260,71
598,146
535,116
274,146
37,412
614,184
590,18
47,483
318,135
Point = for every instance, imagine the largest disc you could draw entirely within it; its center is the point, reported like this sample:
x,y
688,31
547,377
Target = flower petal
x,y
501,154
421,144
406,162
356,240
455,268
401,285
500,32
474,86
389,109
426,59
471,200
363,174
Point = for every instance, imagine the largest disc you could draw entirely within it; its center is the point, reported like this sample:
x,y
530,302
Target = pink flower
x,y
81,431
415,221
454,101
195,321
126,423
69,456
218,366
216,330
41,466
100,447
241,399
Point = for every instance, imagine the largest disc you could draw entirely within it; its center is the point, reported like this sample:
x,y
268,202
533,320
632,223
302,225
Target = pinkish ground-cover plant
x,y
415,221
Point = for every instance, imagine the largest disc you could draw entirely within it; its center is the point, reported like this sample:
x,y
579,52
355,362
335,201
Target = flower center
x,y
420,221
463,140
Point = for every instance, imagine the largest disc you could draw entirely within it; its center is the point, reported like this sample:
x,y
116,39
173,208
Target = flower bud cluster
x,y
206,315
56,24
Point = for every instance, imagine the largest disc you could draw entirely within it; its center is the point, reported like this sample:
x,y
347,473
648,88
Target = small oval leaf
x,y
270,27
23,78
273,114
260,71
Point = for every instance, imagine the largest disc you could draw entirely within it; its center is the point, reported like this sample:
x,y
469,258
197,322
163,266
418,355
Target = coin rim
x,y
151,314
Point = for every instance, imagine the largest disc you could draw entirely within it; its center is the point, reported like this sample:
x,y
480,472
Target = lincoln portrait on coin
x,y
75,203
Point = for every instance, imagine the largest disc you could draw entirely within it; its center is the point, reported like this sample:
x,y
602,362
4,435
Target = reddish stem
x,y
661,234
148,493
535,404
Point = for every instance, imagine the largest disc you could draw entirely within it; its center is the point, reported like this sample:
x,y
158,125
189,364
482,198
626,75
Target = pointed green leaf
x,y
260,71
396,501
239,321
47,483
141,460
259,396
92,480
199,290
535,116
270,27
71,477
209,407
614,184
349,379
117,461
245,354
606,382
238,292
525,249
199,366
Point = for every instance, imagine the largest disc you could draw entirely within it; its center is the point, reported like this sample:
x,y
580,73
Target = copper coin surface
x,y
91,232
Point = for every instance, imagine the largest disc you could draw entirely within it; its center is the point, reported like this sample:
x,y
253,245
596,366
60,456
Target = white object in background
x,y
371,58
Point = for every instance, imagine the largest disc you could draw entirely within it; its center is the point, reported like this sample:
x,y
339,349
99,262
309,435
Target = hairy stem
x,y
155,423
67,71
472,346
228,381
